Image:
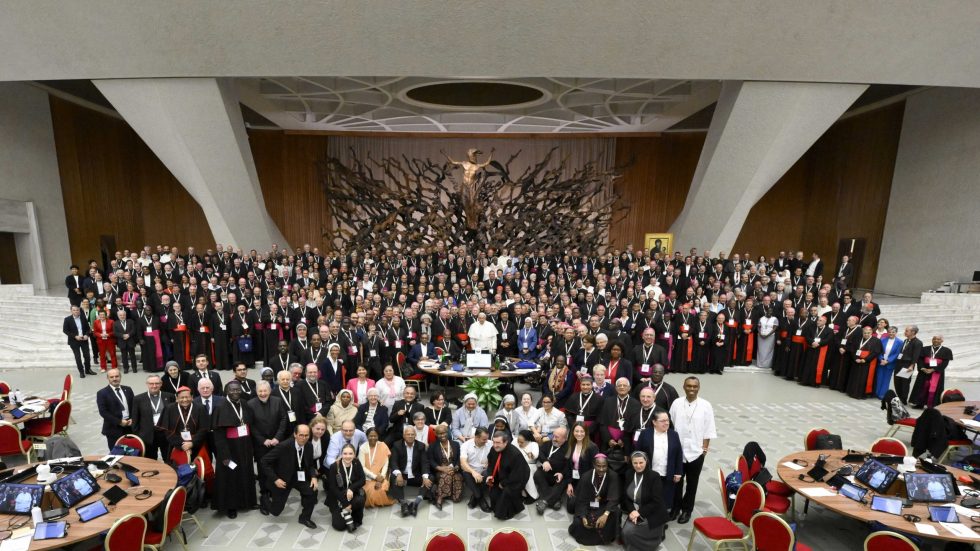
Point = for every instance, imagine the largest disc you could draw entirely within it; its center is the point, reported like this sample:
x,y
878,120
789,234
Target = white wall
x,y
29,172
932,230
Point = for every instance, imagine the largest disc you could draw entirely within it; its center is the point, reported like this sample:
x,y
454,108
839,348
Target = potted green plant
x,y
487,391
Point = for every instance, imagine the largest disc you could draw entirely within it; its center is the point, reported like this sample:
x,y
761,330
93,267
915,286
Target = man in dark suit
x,y
408,466
314,395
906,362
287,466
401,414
147,409
202,371
269,427
425,349
551,477
845,272
125,333
74,283
77,330
115,403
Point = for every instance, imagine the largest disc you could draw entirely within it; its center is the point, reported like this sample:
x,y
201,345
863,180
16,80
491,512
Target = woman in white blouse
x,y
529,449
390,387
527,414
318,428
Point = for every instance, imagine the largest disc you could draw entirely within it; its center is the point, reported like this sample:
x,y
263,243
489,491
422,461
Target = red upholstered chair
x,y
889,446
507,540
810,441
4,389
13,443
888,541
201,469
40,429
445,540
133,441
417,380
907,423
771,533
946,393
66,388
772,487
440,351
724,531
173,512
126,534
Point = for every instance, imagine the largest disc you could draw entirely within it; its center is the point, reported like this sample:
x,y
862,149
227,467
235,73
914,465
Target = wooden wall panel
x,y
839,189
114,185
655,185
286,165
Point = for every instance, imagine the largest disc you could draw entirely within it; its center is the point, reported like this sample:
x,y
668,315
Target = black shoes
x,y
414,508
471,503
684,518
308,523
232,513
673,515
90,372
404,510
540,507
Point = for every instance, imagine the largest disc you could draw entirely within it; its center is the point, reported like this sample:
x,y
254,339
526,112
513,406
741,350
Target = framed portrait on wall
x,y
658,242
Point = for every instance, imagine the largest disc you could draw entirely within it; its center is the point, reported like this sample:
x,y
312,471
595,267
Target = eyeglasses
x,y
912,518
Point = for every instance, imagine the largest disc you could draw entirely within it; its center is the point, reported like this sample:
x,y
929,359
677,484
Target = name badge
x,y
843,342
244,326
620,424
933,362
300,476
666,335
156,418
302,320
799,332
222,326
594,504
398,344
636,437
583,370
731,323
857,354
899,357
374,353
185,435
352,350
816,340
232,465
575,474
645,369
317,406
292,416
203,330
685,328
579,418
242,431
702,335
721,336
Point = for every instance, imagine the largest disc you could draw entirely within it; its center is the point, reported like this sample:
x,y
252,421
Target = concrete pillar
x,y
758,131
195,127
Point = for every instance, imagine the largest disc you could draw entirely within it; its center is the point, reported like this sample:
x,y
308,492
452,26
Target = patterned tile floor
x,y
748,406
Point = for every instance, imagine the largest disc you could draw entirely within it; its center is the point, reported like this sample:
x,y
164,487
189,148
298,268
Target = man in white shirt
x,y
694,421
473,461
483,335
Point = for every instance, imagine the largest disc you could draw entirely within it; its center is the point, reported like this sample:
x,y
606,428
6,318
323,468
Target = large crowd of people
x,y
337,338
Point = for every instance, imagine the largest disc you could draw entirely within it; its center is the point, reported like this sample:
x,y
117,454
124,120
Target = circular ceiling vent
x,y
474,95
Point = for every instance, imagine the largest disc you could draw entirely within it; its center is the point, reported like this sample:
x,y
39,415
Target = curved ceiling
x,y
847,41
506,105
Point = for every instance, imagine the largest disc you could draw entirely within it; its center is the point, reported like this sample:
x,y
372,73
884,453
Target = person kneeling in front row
x,y
345,491
287,466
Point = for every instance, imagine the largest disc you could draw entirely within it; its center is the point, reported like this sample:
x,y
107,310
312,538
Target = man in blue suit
x,y
115,403
424,349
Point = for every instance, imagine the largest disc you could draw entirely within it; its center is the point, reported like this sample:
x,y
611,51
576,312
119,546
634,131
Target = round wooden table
x,y
80,531
9,406
955,411
862,511
432,368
